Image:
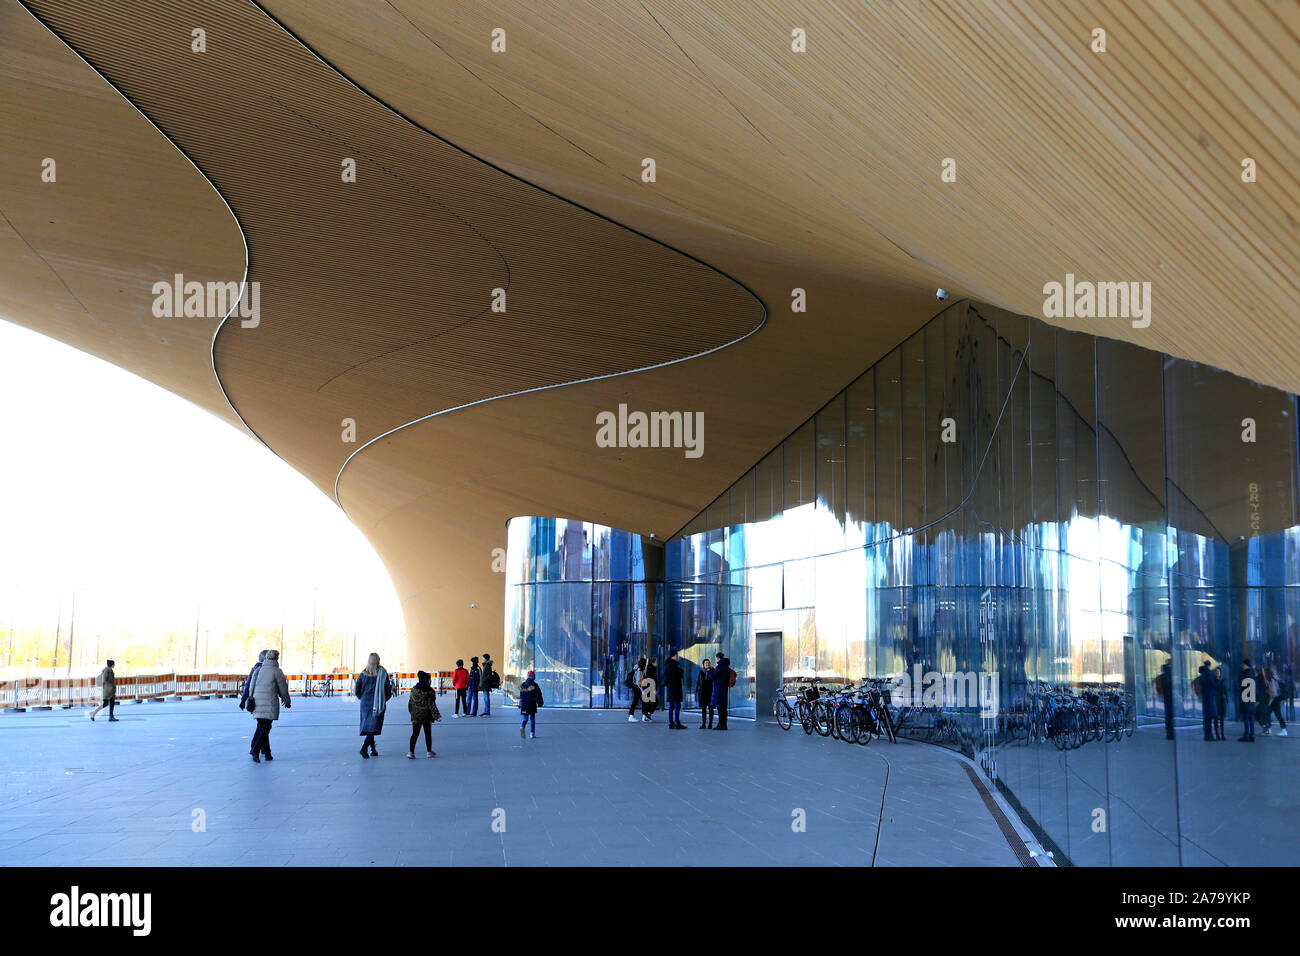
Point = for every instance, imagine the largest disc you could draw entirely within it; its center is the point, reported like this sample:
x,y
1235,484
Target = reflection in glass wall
x,y
1098,542
581,607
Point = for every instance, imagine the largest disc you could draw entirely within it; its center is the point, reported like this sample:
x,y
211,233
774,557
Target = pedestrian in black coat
x,y
673,674
721,684
704,693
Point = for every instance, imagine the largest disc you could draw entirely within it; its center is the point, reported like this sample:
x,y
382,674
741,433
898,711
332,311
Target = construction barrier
x,y
25,692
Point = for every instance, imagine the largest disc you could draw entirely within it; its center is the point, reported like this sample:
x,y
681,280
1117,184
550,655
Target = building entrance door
x,y
768,671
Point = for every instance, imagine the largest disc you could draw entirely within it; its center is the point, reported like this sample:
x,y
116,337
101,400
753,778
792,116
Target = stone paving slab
x,y
591,790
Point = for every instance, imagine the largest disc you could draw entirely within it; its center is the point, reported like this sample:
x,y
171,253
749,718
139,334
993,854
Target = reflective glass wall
x,y
1095,541
583,601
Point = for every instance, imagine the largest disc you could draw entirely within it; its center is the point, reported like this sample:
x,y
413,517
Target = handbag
x,y
252,704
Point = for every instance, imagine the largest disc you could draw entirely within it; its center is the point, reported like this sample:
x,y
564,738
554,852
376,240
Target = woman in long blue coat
x,y
372,690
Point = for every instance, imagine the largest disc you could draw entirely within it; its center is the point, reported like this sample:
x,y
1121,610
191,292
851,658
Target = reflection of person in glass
x,y
609,679
1208,685
1220,703
1165,687
1246,694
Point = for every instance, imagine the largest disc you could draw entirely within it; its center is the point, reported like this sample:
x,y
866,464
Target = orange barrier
x,y
87,692
27,692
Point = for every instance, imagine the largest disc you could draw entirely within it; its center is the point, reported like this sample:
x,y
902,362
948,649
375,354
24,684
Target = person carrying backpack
x,y
633,683
423,708
489,681
530,698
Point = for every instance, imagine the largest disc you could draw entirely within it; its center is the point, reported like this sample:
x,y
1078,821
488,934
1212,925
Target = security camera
x,y
941,294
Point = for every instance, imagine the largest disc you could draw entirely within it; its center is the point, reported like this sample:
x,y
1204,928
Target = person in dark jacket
x,y
633,683
721,679
1220,703
460,681
108,687
673,691
704,694
650,690
252,680
1246,696
372,690
423,708
486,682
609,679
475,675
530,698
1165,684
1209,698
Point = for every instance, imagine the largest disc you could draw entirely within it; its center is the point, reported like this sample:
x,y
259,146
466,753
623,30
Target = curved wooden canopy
x,y
775,171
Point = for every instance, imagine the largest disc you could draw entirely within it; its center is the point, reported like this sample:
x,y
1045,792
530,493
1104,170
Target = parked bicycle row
x,y
855,713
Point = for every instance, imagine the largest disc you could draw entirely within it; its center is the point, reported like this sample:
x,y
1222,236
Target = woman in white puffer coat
x,y
264,703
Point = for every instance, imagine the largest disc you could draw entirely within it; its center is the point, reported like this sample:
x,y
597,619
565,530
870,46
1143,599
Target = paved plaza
x,y
171,784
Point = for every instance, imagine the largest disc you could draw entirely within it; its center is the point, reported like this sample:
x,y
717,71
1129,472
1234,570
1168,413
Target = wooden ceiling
x,y
775,170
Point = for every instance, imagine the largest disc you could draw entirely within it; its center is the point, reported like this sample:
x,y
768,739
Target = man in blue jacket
x,y
721,683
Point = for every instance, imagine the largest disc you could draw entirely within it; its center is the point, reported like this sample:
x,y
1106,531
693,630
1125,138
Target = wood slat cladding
x,y
376,294
78,256
817,170
1123,165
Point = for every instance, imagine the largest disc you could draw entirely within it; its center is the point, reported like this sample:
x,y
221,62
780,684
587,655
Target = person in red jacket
x,y
460,681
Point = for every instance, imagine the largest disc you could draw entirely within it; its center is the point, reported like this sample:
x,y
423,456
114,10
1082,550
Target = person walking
x,y
673,674
490,681
252,679
270,688
372,690
1246,696
423,708
530,698
1209,688
649,690
704,694
721,684
475,675
633,683
1263,701
1220,703
1274,706
460,681
108,681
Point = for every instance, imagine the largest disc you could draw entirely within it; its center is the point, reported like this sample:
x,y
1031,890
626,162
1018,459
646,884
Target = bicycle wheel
x,y
805,716
864,727
784,715
1130,722
822,718
844,723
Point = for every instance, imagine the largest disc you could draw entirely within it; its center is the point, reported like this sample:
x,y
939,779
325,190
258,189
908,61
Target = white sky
x,y
146,505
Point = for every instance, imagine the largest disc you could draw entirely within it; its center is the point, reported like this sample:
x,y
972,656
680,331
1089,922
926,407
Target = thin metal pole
x,y
72,631
58,631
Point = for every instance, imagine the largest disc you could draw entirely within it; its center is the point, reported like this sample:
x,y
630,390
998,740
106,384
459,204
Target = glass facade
x,y
1054,541
582,600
